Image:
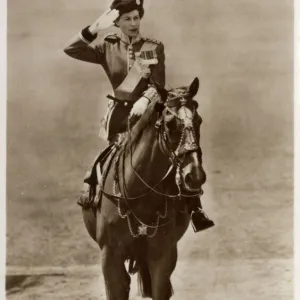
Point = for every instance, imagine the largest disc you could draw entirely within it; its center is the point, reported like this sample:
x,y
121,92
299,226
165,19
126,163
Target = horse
x,y
142,214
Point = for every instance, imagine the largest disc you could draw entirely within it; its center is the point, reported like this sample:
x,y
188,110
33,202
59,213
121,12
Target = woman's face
x,y
129,23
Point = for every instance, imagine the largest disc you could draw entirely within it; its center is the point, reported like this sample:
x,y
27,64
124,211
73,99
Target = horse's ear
x,y
194,87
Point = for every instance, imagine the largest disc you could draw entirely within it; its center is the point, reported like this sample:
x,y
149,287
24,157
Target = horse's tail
x,y
144,279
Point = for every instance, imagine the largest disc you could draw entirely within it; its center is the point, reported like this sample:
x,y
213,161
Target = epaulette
x,y
112,37
153,41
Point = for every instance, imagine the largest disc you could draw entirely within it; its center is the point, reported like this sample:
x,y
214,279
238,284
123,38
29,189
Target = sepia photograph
x,y
149,150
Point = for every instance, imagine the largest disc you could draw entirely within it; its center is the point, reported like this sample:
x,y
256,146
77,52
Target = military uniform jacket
x,y
117,54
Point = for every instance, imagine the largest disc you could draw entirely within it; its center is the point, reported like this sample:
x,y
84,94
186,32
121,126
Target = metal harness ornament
x,y
188,142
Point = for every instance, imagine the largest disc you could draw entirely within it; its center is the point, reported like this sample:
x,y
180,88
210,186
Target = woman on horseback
x,y
135,66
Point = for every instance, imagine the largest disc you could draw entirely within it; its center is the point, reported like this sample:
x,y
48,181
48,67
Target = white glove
x,y
104,21
139,107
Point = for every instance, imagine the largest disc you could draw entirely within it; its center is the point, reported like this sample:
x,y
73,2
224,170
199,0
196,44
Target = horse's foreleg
x,y
161,270
117,280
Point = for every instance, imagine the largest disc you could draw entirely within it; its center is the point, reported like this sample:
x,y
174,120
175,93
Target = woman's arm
x,y
157,79
80,48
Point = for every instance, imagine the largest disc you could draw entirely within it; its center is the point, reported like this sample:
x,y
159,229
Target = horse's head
x,y
181,133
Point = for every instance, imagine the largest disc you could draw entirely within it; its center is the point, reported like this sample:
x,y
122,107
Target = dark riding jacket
x,y
117,54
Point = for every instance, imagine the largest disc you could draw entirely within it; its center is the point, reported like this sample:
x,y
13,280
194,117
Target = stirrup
x,y
200,220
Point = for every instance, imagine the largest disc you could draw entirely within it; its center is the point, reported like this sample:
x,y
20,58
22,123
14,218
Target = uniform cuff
x,y
87,36
151,94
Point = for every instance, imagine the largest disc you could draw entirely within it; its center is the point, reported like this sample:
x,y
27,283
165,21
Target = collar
x,y
125,39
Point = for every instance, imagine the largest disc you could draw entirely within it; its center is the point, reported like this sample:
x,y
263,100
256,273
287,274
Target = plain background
x,y
48,112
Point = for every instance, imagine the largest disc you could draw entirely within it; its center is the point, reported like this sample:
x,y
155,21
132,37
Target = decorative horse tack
x,y
188,142
188,132
187,137
153,258
142,228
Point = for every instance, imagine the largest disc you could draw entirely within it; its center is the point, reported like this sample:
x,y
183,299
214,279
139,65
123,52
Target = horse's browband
x,y
176,99
176,102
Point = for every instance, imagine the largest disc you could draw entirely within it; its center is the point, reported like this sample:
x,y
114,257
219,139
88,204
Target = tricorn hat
x,y
125,6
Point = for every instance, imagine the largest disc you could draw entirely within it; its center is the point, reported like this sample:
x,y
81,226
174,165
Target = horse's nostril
x,y
189,179
193,177
191,182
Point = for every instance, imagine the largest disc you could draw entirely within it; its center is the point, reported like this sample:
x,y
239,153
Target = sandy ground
x,y
235,279
194,278
242,52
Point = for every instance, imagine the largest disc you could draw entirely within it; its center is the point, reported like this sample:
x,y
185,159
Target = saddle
x,y
94,181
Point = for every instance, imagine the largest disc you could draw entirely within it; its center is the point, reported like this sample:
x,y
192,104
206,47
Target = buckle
x,y
158,123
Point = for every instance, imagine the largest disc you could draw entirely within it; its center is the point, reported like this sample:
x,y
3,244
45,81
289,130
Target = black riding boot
x,y
200,221
89,192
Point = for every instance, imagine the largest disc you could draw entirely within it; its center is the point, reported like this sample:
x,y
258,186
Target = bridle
x,y
187,141
187,133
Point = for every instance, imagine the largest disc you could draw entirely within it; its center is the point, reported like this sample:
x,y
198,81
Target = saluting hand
x,y
104,21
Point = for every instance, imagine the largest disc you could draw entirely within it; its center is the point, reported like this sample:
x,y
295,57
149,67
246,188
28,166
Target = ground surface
x,y
242,52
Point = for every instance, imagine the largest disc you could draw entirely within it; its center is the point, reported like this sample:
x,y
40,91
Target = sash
x,y
125,90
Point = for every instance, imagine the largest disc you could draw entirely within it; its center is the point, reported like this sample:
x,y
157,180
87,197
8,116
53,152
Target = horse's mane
x,y
146,121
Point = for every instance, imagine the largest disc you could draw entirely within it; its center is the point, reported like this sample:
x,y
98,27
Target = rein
x,y
166,148
175,163
118,196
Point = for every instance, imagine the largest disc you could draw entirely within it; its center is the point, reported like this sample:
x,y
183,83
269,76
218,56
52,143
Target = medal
x,y
142,229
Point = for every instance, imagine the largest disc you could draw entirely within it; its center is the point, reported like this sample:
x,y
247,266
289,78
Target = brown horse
x,y
142,215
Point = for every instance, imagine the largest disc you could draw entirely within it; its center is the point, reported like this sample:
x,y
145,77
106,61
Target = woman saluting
x,y
132,63
135,66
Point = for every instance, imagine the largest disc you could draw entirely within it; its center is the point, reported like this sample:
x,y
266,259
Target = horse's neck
x,y
146,160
